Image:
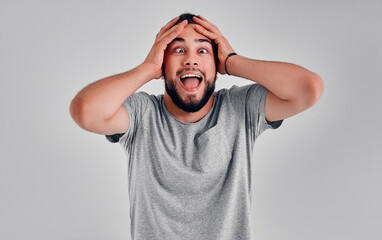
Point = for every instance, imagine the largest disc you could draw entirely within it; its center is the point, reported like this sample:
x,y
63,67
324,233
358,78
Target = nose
x,y
190,60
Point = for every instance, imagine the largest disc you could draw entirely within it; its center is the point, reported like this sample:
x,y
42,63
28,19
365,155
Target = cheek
x,y
209,61
210,68
166,67
169,64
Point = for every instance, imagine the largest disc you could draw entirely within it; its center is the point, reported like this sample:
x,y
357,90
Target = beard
x,y
192,105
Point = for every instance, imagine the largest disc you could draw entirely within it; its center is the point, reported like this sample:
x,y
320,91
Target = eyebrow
x,y
196,40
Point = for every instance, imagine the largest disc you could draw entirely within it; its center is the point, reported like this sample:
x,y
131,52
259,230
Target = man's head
x,y
189,68
188,17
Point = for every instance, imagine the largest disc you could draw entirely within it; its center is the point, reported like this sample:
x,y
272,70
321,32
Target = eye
x,y
203,50
179,50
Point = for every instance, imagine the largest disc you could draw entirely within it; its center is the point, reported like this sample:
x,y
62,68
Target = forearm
x,y
287,81
103,98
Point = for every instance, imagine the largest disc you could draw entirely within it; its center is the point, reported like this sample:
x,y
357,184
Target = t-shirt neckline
x,y
194,123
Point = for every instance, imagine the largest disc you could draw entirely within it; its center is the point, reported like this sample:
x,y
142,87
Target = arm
x,y
99,106
292,88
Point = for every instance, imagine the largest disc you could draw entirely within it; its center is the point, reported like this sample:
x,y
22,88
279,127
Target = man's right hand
x,y
99,106
163,38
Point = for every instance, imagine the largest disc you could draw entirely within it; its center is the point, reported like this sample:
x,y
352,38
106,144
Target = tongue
x,y
191,82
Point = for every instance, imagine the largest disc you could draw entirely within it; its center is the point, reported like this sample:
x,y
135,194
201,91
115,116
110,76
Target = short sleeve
x,y
249,104
255,108
135,106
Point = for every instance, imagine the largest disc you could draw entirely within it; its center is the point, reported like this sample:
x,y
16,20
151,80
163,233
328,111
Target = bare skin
x,y
98,107
292,89
189,50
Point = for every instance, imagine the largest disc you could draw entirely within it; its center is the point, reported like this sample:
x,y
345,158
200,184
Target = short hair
x,y
188,17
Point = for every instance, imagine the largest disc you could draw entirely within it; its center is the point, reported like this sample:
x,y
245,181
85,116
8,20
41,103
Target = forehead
x,y
189,34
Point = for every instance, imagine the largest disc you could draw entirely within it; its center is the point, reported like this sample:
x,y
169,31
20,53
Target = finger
x,y
200,29
202,17
224,46
170,35
210,23
206,24
173,32
169,25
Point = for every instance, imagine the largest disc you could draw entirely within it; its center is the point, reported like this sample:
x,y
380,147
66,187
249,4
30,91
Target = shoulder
x,y
145,96
233,99
137,106
142,100
241,94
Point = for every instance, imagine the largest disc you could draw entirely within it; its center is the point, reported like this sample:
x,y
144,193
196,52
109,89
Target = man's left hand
x,y
209,30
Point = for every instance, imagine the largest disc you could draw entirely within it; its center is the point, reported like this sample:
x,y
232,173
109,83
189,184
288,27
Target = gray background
x,y
317,177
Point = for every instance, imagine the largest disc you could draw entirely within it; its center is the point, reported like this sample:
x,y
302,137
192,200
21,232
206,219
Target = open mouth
x,y
191,81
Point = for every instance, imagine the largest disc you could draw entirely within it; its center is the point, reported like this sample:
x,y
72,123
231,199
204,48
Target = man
x,y
190,149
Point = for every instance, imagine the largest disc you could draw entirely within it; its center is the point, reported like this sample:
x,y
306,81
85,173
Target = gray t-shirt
x,y
193,180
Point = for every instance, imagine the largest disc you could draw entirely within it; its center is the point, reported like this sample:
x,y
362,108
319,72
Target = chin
x,y
191,104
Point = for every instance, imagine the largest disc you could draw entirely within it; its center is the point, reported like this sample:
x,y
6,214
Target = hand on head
x,y
163,38
210,30
172,29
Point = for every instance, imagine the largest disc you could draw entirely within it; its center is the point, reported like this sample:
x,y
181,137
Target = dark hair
x,y
188,17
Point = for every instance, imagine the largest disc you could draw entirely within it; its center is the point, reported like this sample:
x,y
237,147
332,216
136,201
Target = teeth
x,y
190,75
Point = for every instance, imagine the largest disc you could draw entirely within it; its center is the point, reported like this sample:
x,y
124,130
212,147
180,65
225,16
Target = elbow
x,y
313,89
77,111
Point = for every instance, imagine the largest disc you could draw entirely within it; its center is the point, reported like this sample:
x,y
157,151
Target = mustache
x,y
190,69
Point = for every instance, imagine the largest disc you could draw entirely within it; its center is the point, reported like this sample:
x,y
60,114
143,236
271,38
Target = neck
x,y
187,117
